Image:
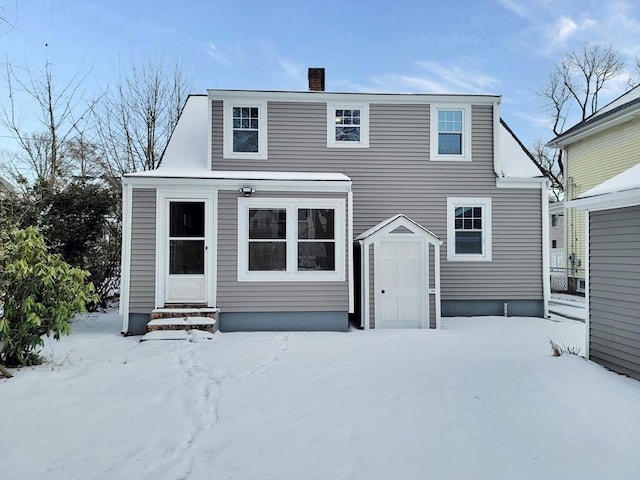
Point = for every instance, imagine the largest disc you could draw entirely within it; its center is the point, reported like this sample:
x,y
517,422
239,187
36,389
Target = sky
x,y
504,47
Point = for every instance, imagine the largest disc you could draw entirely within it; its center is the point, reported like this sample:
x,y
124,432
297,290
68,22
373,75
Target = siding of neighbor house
x,y
590,162
234,296
394,175
614,289
143,251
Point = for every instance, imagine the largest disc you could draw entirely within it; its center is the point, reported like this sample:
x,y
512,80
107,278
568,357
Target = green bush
x,y
39,293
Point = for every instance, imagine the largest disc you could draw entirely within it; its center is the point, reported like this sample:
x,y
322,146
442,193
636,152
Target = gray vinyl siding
x,y
143,251
614,289
234,296
394,175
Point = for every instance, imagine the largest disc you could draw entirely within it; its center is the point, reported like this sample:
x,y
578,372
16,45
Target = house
x,y
595,150
300,210
612,264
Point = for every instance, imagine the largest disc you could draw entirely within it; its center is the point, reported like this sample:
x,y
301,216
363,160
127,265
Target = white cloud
x,y
460,78
216,54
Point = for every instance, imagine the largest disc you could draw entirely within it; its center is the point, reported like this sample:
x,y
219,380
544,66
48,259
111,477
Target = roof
x,y
620,191
187,153
391,223
516,160
622,109
242,175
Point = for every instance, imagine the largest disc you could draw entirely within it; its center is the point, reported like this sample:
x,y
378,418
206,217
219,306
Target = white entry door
x,y
186,252
400,276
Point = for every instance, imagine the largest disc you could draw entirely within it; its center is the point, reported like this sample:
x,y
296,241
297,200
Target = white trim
x,y
606,201
436,269
511,182
125,267
213,278
350,251
291,274
587,321
331,125
546,252
210,133
323,97
497,127
228,152
485,204
465,156
303,185
365,281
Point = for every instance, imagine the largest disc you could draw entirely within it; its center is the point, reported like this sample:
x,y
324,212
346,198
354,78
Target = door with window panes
x,y
186,251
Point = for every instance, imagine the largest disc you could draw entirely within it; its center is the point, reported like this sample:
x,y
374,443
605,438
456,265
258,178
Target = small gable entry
x,y
400,275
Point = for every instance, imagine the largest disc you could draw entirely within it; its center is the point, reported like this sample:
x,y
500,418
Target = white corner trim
x,y
350,251
546,279
497,167
437,286
227,122
364,124
364,248
587,266
466,132
127,194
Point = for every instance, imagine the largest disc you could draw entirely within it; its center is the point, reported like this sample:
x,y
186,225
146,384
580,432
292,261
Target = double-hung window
x,y
450,132
468,229
291,239
245,130
347,125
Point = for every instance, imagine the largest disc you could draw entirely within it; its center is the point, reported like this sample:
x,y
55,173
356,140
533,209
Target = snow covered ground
x,y
481,399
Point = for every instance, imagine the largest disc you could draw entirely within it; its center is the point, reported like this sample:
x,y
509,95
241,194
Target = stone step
x,y
206,324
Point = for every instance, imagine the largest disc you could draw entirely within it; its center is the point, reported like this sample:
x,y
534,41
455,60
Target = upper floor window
x,y
347,125
450,132
245,130
468,228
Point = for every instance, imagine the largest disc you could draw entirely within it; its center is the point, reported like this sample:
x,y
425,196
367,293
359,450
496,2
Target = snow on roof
x,y
620,191
396,221
515,160
187,147
627,180
627,97
242,175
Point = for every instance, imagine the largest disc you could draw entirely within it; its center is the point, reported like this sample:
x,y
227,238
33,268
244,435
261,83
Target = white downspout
x,y
546,280
496,138
436,249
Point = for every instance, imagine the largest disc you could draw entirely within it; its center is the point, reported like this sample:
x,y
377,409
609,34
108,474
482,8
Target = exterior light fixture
x,y
247,191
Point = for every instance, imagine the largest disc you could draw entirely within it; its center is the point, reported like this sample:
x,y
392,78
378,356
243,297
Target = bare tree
x,y
576,81
60,113
137,116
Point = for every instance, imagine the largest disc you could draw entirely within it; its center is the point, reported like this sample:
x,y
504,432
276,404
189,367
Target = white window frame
x,y
331,125
291,273
465,156
228,152
485,204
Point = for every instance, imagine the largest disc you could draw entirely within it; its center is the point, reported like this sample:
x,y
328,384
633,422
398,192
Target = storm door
x,y
187,252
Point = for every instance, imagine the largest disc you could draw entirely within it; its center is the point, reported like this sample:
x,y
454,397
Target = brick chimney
x,y
316,79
